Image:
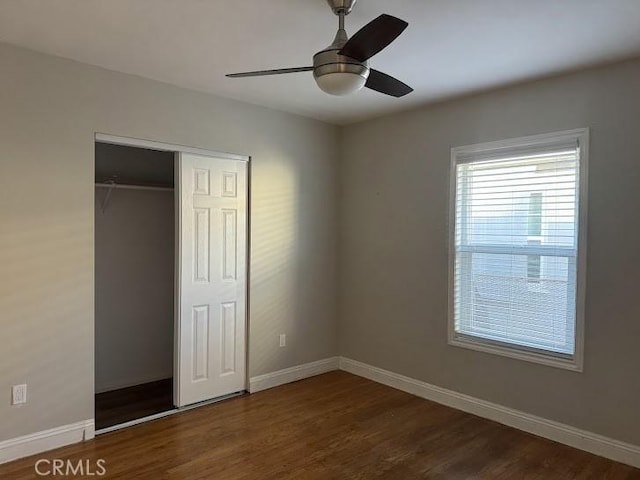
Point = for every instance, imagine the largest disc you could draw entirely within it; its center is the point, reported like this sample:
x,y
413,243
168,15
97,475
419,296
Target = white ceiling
x,y
451,47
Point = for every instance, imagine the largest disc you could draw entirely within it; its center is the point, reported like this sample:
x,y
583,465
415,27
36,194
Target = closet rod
x,y
131,187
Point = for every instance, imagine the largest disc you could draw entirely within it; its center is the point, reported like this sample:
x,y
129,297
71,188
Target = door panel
x,y
212,281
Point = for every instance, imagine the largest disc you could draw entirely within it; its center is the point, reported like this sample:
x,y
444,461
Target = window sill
x,y
574,364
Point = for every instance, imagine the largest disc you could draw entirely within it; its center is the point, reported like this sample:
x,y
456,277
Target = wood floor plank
x,y
333,426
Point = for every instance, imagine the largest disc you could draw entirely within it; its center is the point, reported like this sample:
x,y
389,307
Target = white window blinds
x,y
516,246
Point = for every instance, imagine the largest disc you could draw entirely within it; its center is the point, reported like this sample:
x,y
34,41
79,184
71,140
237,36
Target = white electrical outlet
x,y
19,394
283,340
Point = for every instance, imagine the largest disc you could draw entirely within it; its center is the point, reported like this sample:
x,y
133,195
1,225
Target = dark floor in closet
x,y
126,404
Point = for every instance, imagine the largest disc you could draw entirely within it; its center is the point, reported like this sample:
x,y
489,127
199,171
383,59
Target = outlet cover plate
x,y
19,394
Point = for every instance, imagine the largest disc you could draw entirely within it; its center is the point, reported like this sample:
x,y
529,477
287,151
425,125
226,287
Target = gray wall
x,y
50,109
134,287
393,247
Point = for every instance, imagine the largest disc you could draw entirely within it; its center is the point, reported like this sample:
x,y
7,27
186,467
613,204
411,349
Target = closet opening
x,y
171,278
135,262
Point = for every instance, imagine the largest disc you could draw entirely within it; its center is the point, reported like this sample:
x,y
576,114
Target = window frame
x,y
573,362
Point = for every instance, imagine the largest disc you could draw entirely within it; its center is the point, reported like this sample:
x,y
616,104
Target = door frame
x,y
177,149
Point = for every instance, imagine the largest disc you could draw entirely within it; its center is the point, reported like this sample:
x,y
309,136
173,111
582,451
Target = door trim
x,y
169,147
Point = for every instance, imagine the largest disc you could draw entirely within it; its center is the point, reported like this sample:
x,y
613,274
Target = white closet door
x,y
212,281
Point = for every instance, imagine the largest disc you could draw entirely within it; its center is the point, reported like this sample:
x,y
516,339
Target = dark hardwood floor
x,y
120,406
334,426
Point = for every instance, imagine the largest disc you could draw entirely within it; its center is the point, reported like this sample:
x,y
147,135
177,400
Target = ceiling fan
x,y
343,68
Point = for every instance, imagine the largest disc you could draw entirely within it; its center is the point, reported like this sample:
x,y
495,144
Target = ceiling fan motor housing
x,y
329,61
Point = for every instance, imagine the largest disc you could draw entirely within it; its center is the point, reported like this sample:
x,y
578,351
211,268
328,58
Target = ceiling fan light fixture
x,y
341,83
336,77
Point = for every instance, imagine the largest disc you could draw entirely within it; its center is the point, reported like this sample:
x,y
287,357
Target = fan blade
x,y
373,37
383,83
262,73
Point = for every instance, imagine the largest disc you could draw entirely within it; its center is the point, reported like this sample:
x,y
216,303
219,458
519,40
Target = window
x,y
517,247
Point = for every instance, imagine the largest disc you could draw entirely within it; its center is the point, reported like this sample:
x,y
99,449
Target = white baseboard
x,y
46,440
558,432
288,375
